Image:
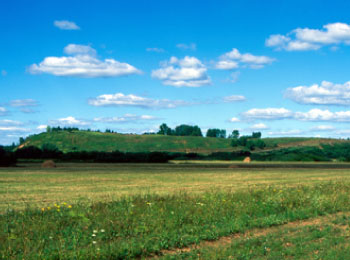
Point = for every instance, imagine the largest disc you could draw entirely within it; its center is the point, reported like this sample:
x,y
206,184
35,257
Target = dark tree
x,y
235,134
256,135
216,133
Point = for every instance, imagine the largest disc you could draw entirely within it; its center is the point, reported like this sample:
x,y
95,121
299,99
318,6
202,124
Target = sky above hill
x,y
279,67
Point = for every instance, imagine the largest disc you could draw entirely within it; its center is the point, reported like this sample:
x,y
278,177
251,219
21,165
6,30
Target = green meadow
x,y
179,210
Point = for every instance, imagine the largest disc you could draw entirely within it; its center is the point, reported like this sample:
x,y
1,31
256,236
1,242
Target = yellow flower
x,y
58,210
42,209
64,203
69,206
48,208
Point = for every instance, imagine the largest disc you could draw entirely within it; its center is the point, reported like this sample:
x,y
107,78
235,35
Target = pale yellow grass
x,y
33,186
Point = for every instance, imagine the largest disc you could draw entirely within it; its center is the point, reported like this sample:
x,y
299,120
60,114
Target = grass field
x,y
97,141
175,211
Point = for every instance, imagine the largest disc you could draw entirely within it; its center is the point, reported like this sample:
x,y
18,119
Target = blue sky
x,y
279,67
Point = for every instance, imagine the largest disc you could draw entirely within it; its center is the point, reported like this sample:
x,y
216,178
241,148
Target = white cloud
x,y
42,127
3,111
235,59
125,119
226,65
323,115
286,132
66,25
233,98
186,72
267,114
119,99
320,128
259,126
71,49
23,103
313,115
183,46
69,121
327,93
83,63
4,73
234,120
13,129
7,122
302,39
155,50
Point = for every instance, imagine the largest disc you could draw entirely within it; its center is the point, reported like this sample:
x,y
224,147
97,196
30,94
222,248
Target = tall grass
x,y
144,225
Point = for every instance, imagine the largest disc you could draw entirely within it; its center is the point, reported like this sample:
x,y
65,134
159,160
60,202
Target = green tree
x,y
235,134
164,130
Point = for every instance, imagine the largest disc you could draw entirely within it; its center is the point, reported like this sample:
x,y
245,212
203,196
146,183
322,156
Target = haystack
x,y
48,164
247,160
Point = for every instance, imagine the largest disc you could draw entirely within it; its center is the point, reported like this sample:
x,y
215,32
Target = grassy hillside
x,y
96,141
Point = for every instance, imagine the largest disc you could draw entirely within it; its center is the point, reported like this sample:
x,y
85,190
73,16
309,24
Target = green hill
x,y
97,141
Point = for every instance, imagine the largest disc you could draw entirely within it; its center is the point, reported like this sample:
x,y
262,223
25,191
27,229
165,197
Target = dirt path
x,y
256,232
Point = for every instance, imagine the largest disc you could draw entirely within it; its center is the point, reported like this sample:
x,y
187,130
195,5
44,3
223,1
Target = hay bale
x,y
247,160
48,164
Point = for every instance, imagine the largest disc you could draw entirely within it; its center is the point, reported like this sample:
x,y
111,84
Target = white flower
x,y
94,242
93,235
102,230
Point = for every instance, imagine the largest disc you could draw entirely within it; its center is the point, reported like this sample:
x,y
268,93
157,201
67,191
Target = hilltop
x,y
80,140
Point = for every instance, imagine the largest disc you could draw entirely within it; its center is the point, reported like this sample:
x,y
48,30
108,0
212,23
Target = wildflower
x,y
42,209
93,235
149,203
95,231
64,203
94,242
55,205
69,206
48,208
58,210
50,237
102,230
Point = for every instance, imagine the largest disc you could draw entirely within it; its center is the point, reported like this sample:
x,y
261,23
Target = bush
x,y
7,158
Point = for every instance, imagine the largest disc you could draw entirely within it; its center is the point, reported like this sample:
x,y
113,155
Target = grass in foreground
x,y
146,225
320,238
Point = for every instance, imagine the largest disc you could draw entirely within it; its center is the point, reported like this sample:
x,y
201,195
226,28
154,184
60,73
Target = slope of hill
x,y
96,141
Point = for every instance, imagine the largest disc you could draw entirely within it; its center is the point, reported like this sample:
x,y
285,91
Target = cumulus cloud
x,y
267,113
155,50
186,72
323,115
259,126
23,103
233,98
42,127
234,59
3,111
7,122
321,128
302,39
14,129
82,63
315,115
66,25
71,49
127,118
119,99
234,120
183,46
286,132
327,93
69,121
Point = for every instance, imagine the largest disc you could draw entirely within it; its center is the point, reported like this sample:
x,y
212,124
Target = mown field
x,y
175,211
